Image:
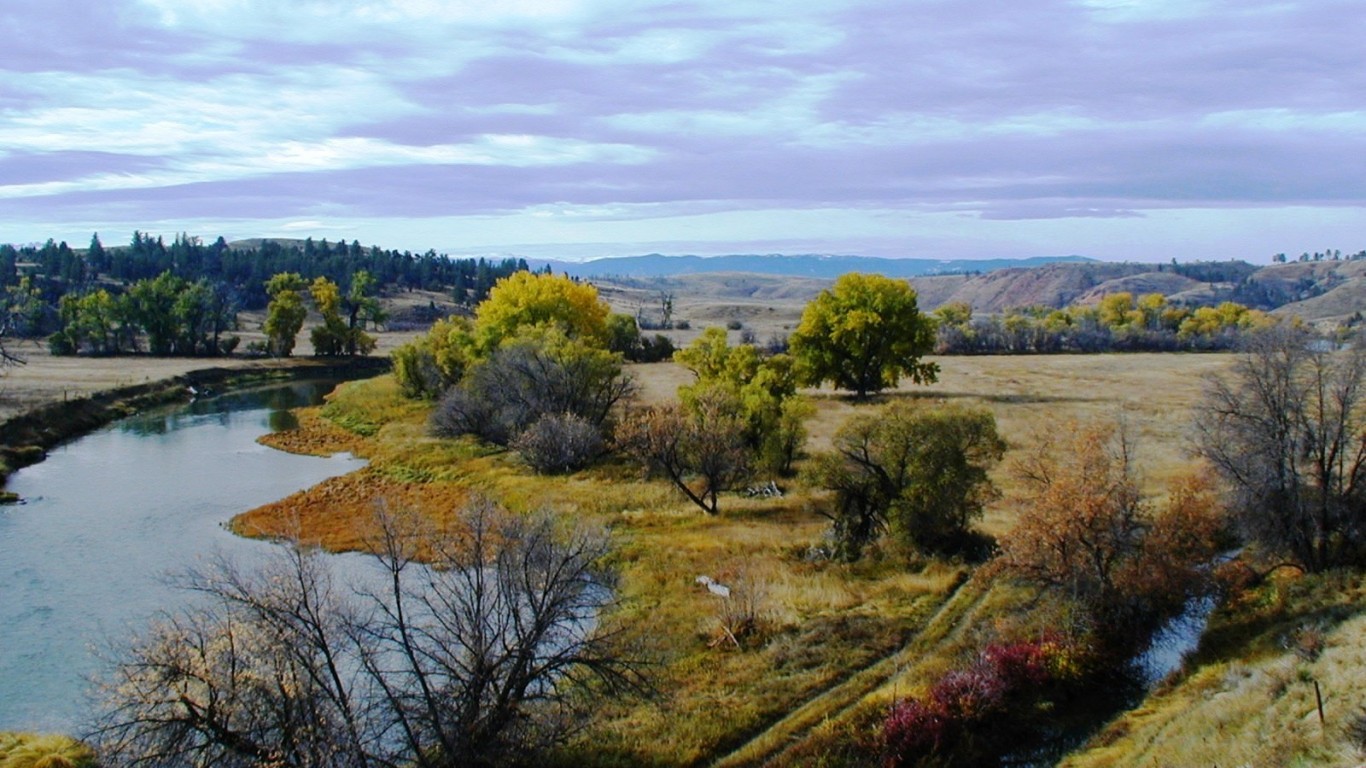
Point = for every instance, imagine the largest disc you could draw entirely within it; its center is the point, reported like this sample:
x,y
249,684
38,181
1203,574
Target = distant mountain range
x,y
802,265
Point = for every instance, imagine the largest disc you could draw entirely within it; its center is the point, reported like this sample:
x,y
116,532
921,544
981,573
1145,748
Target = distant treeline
x,y
56,269
101,299
1119,322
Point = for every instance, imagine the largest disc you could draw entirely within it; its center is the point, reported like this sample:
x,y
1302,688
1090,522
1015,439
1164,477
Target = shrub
x,y
654,350
973,716
537,374
559,442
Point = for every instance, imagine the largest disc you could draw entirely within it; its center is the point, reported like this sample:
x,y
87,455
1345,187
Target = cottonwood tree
x,y
1287,432
436,361
526,299
478,658
340,335
919,471
863,334
286,312
764,389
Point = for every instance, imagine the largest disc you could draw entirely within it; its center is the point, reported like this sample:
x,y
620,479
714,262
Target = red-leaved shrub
x,y
972,714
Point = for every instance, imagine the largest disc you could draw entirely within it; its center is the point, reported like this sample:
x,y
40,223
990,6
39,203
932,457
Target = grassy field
x,y
836,642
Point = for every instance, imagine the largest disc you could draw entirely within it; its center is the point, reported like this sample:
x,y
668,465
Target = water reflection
x,y
109,514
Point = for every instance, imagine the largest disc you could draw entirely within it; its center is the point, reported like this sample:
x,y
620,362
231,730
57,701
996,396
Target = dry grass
x,y
1252,702
836,642
34,750
1153,394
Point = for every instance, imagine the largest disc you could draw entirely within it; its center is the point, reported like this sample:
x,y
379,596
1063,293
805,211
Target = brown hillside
x,y
1335,306
1165,283
1053,285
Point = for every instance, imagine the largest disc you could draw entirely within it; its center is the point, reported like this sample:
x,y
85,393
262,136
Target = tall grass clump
x,y
49,750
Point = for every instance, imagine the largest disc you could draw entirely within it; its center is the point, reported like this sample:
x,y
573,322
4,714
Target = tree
x,y
362,308
1287,432
539,373
152,305
764,388
700,450
524,300
1086,533
286,312
434,362
333,337
863,335
483,656
918,471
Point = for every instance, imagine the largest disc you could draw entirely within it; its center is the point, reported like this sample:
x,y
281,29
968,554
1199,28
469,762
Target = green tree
x,y
286,312
917,471
362,308
623,335
863,335
96,323
434,362
764,390
152,304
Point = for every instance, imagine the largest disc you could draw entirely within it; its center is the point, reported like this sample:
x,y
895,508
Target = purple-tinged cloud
x,y
977,120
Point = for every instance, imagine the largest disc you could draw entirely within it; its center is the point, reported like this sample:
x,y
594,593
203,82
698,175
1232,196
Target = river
x,y
107,517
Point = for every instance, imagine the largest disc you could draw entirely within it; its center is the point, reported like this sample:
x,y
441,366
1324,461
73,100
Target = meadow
x,y
833,643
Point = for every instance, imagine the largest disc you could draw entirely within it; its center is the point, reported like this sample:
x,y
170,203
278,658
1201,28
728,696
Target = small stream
x,y
108,516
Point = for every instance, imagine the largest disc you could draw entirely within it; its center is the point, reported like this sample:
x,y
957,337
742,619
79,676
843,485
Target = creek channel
x,y
85,560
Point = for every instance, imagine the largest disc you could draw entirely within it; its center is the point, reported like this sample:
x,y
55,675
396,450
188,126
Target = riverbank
x,y
64,407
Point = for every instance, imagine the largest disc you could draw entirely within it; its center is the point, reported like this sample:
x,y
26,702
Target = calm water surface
x,y
109,515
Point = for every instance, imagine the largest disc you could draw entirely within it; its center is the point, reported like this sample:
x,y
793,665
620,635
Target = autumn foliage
x,y
1087,534
973,715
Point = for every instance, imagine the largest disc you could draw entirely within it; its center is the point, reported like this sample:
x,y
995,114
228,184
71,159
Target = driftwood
x,y
768,490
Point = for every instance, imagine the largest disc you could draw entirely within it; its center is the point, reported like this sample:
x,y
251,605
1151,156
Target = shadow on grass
x,y
1018,398
1263,622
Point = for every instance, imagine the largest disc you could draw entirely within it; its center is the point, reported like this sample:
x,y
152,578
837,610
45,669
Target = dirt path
x,y
774,745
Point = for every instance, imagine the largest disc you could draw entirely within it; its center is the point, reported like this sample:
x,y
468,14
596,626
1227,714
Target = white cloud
x,y
517,151
258,16
1286,120
1123,11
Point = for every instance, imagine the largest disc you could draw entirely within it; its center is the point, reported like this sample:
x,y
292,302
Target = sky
x,y
1117,129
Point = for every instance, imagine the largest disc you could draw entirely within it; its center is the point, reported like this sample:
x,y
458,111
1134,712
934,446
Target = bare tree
x,y
482,656
701,450
1287,431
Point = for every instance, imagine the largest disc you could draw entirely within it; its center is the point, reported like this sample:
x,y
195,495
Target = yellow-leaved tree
x,y
863,335
525,299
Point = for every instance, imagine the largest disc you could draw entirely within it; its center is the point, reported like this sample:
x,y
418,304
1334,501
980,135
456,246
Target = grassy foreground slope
x,y
836,642
1247,698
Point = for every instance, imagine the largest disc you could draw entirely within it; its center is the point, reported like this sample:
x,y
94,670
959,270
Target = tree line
x,y
34,279
1119,322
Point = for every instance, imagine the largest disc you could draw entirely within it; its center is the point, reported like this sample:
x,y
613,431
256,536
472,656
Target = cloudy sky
x,y
1119,129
